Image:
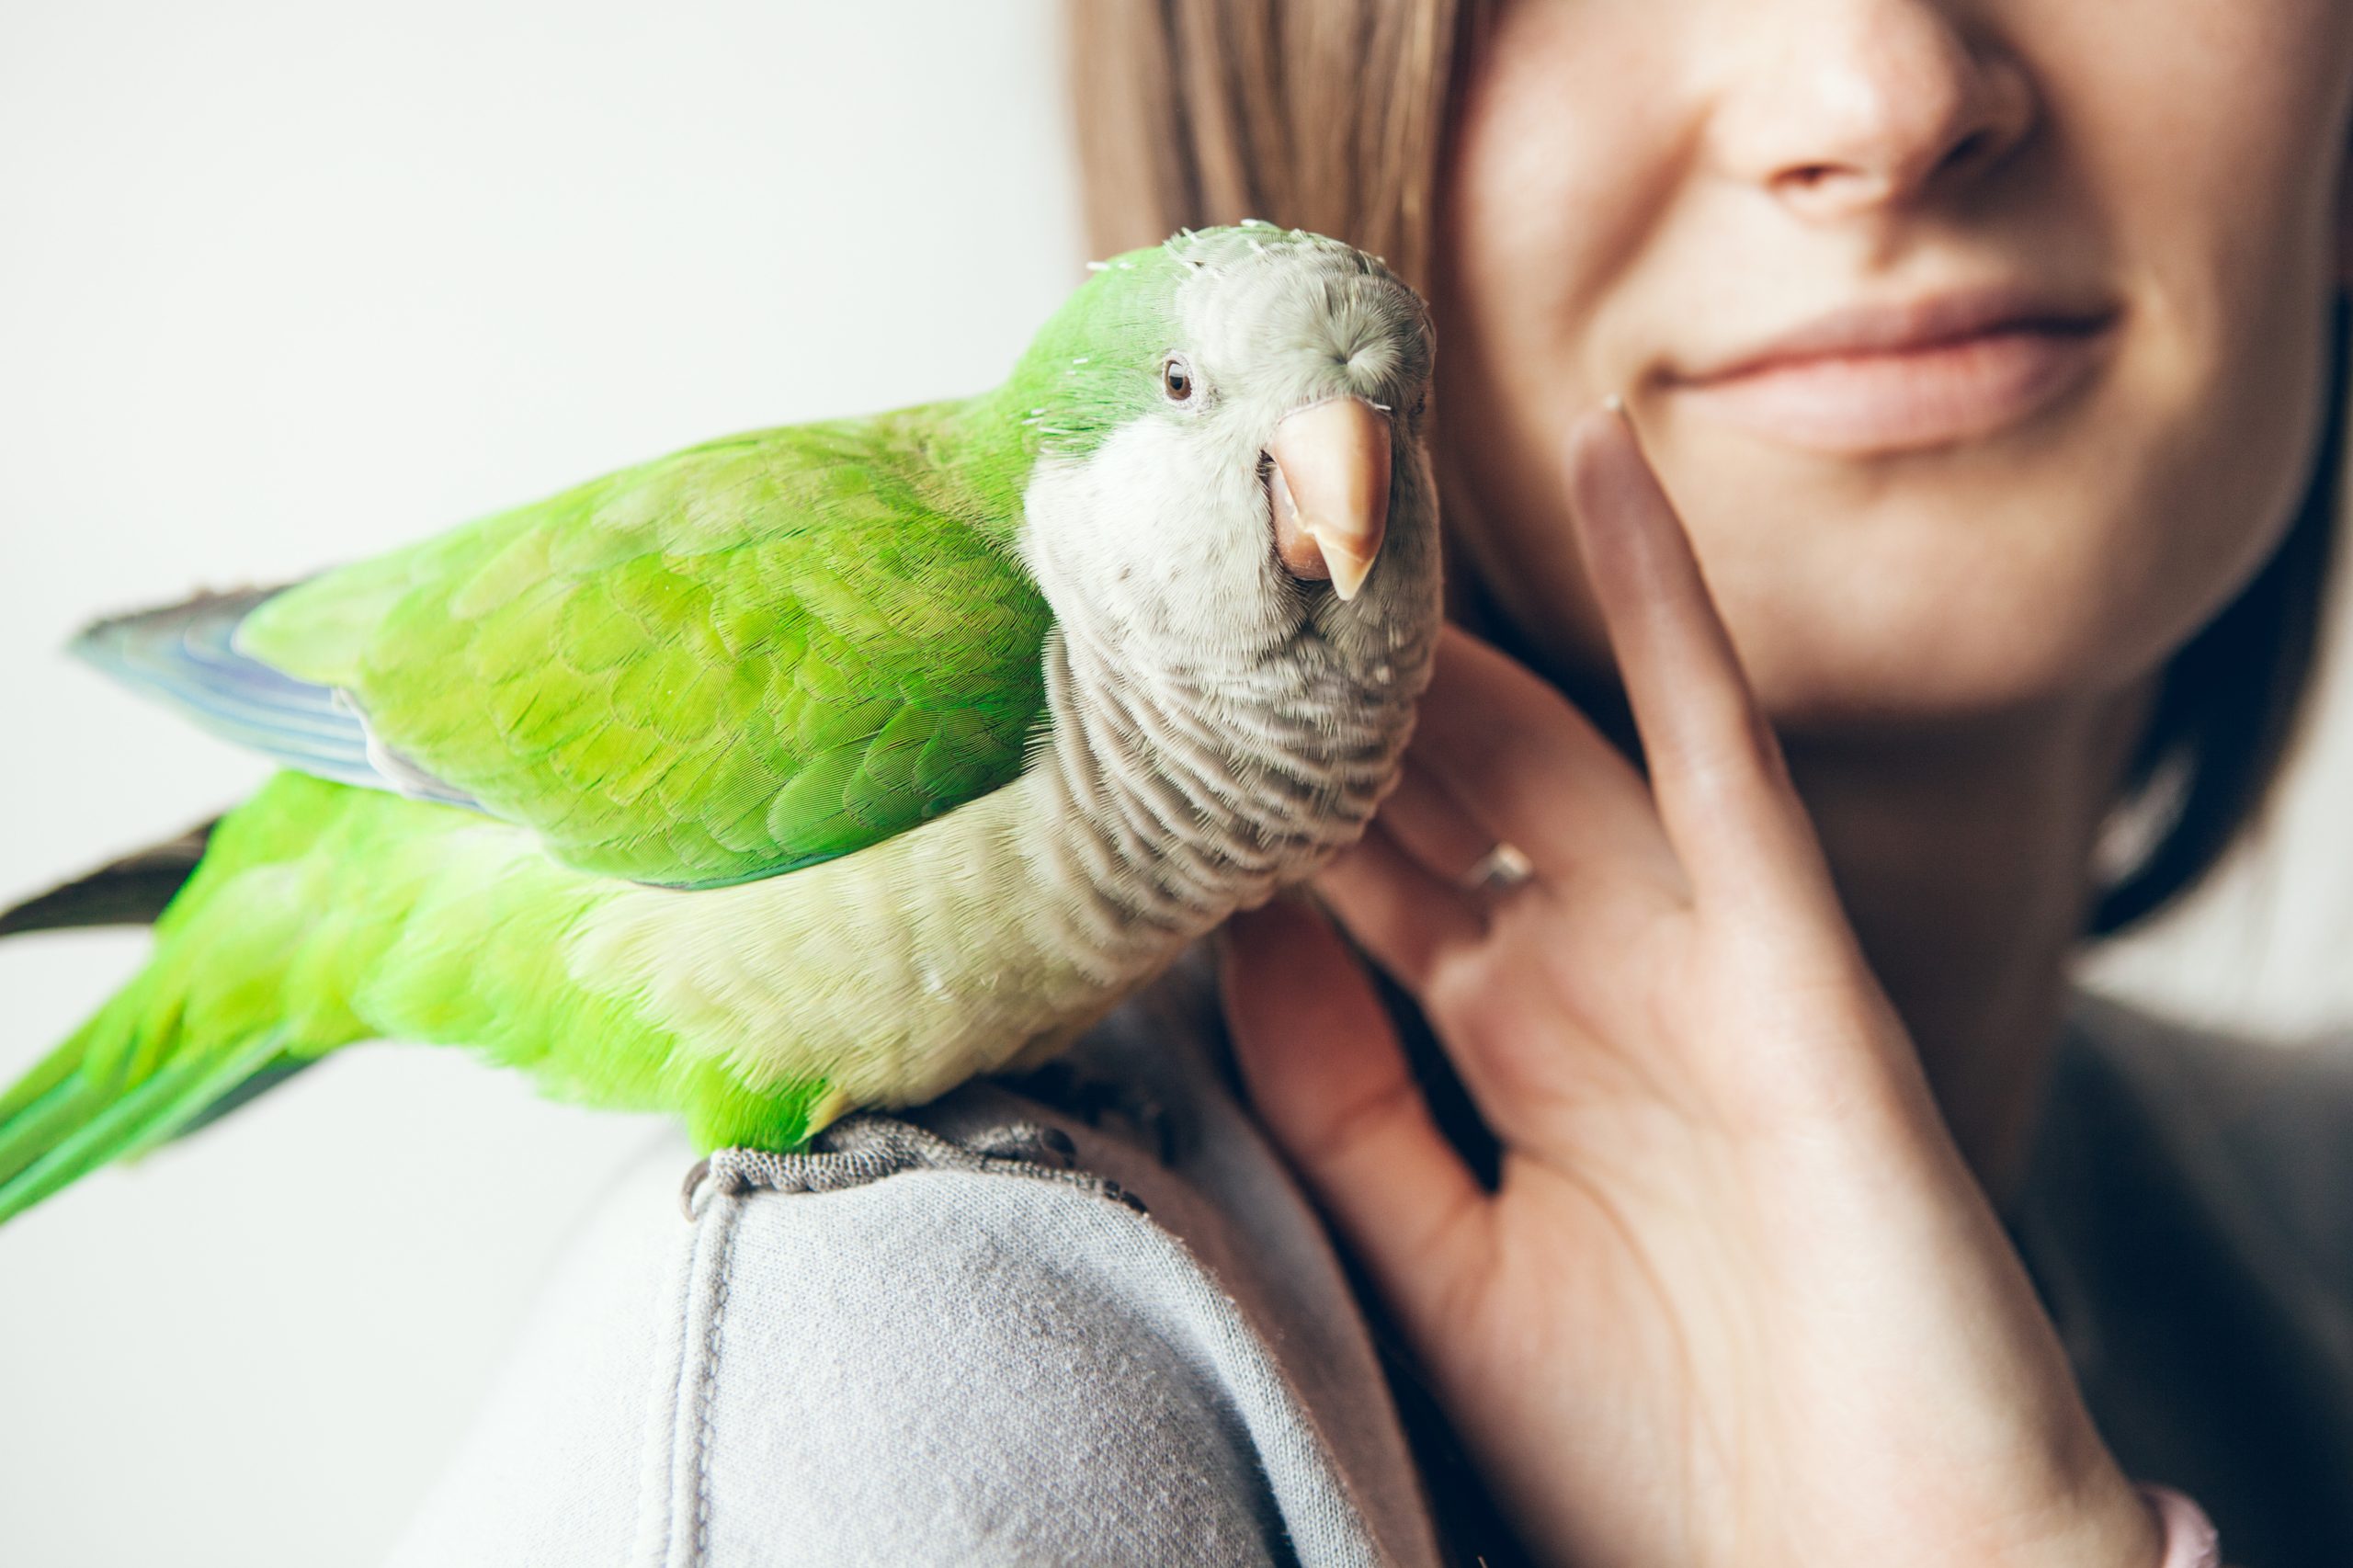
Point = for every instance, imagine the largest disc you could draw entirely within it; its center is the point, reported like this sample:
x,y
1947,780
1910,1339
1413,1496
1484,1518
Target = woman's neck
x,y
1964,855
1964,861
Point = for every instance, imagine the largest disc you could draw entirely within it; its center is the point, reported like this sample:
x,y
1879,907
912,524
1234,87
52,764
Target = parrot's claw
x,y
866,1147
694,1180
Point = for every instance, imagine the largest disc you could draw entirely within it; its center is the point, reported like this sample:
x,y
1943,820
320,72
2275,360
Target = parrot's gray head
x,y
1255,489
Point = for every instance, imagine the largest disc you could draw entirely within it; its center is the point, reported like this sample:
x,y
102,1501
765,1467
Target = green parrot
x,y
815,767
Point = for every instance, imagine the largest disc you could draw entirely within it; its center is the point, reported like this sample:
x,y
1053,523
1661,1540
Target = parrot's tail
x,y
69,1116
106,1094
130,892
192,1036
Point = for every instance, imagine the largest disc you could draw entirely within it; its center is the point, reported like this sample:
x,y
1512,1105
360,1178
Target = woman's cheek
x,y
2073,553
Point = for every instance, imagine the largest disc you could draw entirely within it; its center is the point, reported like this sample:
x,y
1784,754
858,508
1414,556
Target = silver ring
x,y
1499,870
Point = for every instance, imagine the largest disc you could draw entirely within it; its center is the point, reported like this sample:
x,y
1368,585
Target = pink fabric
x,y
2191,1541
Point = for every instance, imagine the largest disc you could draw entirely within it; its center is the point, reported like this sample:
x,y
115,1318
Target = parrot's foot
x,y
866,1147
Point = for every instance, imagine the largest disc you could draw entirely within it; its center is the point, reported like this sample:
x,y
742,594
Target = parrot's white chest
x,y
893,973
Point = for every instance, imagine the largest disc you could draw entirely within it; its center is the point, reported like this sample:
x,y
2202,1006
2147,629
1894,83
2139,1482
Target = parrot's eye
x,y
1176,377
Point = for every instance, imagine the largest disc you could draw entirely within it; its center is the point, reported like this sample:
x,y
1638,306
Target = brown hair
x,y
1332,115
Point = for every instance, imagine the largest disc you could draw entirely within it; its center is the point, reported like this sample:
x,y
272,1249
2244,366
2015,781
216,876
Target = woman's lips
x,y
1894,400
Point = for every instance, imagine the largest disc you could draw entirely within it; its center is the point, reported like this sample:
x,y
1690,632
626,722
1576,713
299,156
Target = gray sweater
x,y
1090,1319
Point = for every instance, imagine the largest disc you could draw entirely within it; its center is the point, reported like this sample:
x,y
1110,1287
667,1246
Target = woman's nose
x,y
1841,106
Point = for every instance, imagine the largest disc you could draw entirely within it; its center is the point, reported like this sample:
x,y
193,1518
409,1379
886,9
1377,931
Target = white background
x,y
283,285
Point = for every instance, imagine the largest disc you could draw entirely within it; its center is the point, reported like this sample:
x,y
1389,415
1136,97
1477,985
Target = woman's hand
x,y
1737,1298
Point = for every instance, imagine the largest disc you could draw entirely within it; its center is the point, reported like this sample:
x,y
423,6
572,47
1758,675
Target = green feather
x,y
704,669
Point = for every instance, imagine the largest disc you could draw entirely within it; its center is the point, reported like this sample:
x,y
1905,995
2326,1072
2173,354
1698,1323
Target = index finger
x,y
1716,768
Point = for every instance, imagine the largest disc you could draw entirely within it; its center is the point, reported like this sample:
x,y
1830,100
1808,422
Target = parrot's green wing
x,y
744,658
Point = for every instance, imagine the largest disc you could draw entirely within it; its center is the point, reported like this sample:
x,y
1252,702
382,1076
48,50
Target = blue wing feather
x,y
184,656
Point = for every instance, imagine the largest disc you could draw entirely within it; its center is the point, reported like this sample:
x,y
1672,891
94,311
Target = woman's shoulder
x,y
2189,1221
1076,1319
2265,1123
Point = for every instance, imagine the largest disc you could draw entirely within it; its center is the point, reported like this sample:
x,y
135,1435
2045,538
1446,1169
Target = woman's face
x,y
1641,190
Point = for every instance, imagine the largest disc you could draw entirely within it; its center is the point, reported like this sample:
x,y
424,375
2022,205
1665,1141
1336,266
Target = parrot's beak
x,y
1330,490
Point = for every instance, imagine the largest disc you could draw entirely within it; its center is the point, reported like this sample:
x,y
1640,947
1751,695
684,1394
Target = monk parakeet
x,y
820,767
